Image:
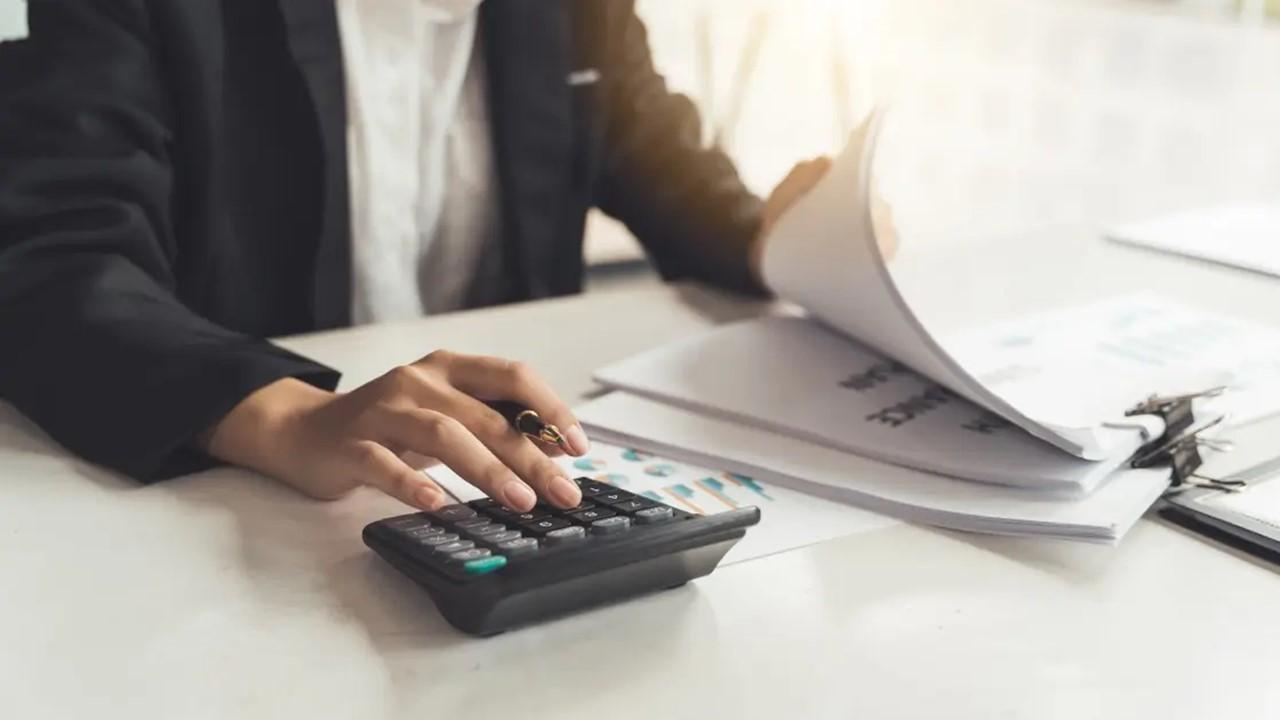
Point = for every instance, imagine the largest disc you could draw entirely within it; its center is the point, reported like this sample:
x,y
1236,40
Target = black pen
x,y
528,423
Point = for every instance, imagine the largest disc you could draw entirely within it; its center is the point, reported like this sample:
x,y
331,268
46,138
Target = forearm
x,y
684,201
117,370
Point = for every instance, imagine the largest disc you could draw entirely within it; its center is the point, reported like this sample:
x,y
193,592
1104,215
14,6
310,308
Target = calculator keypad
x,y
483,536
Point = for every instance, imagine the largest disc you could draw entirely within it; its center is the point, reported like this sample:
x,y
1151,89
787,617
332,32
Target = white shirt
x,y
420,160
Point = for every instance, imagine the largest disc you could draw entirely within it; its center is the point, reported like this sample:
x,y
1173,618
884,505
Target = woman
x,y
180,179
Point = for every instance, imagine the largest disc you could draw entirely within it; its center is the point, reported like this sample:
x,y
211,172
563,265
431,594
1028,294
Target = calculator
x,y
489,568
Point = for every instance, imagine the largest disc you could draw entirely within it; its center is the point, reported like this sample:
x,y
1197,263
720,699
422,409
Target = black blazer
x,y
173,190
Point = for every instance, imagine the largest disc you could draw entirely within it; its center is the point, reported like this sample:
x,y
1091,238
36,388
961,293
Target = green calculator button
x,y
482,566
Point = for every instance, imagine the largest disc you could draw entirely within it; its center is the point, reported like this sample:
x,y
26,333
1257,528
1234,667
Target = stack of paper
x,y
1103,516
790,376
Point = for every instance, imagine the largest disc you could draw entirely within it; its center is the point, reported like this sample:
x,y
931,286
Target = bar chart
x,y
687,487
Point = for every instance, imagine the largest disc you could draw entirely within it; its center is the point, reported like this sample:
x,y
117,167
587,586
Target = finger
x,y
490,378
516,451
886,230
435,434
513,449
418,462
379,467
802,179
807,172
430,388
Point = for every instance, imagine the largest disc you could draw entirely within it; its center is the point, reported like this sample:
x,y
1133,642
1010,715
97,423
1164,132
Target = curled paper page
x,y
823,256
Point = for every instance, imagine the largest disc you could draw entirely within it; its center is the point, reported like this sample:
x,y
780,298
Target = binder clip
x,y
1179,447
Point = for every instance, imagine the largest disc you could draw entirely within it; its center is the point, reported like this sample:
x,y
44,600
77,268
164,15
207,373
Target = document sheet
x,y
1140,340
1244,236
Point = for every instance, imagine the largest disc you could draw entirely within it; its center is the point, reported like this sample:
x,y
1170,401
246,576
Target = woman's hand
x,y
326,444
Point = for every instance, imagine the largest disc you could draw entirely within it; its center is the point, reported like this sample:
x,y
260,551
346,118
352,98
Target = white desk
x,y
225,596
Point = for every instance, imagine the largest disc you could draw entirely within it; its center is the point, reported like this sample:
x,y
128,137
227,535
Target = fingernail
x,y
518,496
429,499
578,441
564,492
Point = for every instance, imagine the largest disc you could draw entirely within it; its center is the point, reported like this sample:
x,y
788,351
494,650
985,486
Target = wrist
x,y
261,432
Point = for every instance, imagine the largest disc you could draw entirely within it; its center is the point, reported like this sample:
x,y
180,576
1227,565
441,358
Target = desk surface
x,y
224,596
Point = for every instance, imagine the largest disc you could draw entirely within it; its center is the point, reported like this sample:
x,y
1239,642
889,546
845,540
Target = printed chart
x,y
689,488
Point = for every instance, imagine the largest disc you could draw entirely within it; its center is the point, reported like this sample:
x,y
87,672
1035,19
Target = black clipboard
x,y
1200,509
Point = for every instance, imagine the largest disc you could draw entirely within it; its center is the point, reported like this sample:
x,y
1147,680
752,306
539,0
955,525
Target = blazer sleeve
x,y
95,347
684,201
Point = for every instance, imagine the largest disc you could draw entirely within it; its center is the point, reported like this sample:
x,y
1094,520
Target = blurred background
x,y
1008,114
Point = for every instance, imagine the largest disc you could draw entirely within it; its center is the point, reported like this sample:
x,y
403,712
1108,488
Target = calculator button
x,y
425,531
545,525
482,566
453,513
499,538
499,512
453,547
631,505
406,522
481,531
654,515
469,555
591,488
518,546
511,516
565,535
584,505
613,497
433,540
472,522
590,516
610,526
